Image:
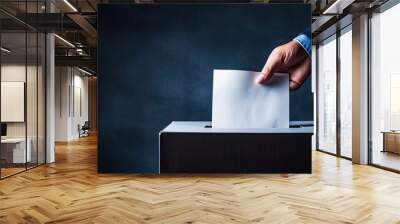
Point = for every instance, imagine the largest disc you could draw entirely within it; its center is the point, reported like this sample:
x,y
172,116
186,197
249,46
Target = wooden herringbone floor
x,y
71,191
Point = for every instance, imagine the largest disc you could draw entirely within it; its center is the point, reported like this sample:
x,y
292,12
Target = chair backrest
x,y
86,124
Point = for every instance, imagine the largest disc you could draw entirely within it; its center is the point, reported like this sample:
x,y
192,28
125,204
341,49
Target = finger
x,y
272,65
293,85
299,74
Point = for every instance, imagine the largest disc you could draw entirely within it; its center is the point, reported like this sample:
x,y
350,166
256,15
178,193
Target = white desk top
x,y
200,127
13,140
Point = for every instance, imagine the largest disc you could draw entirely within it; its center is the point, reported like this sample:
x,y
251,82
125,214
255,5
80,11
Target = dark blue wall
x,y
155,65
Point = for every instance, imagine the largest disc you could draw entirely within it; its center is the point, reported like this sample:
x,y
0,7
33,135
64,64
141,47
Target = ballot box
x,y
196,147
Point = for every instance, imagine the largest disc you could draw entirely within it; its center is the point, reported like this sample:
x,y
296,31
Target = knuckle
x,y
277,52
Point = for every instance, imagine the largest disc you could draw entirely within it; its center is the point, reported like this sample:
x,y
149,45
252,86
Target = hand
x,y
288,58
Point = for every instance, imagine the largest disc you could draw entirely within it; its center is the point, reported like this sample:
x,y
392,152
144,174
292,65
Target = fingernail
x,y
259,79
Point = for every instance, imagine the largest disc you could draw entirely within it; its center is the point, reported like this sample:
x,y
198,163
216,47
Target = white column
x,y
360,90
50,92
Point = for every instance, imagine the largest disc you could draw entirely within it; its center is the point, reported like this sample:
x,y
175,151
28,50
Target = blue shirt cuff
x,y
305,41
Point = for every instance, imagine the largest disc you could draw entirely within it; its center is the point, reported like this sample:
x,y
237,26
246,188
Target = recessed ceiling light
x,y
70,5
5,50
337,7
84,71
64,40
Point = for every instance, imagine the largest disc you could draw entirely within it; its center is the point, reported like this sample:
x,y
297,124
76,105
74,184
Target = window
x,y
326,91
345,59
385,89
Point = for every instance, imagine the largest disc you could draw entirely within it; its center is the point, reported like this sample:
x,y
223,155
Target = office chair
x,y
84,130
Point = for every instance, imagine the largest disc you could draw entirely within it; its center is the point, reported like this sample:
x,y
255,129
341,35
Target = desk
x,y
13,150
391,141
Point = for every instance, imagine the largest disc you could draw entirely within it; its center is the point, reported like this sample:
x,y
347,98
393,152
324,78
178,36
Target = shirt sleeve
x,y
304,39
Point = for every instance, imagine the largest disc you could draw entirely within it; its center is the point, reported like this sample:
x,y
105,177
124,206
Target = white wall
x,y
71,102
81,104
62,81
16,72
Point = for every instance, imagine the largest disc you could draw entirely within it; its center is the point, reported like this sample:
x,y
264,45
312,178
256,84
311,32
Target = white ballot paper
x,y
239,102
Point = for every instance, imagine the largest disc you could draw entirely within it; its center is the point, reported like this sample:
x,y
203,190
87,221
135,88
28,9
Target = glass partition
x,y
15,153
326,94
22,90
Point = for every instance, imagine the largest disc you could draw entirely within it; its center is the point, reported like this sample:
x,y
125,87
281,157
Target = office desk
x,y
13,150
391,141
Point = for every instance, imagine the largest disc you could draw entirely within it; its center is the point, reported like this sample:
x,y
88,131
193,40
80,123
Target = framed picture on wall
x,y
12,101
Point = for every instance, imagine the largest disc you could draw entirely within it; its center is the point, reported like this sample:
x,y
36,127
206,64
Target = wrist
x,y
304,43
